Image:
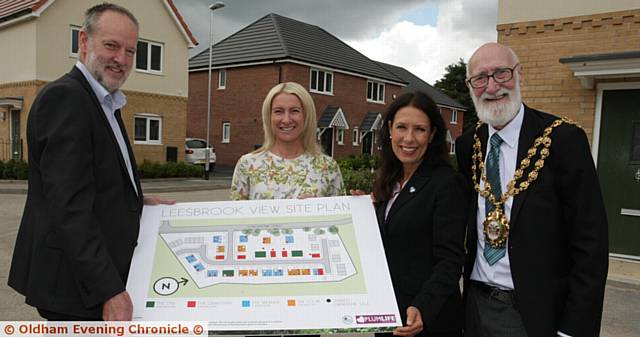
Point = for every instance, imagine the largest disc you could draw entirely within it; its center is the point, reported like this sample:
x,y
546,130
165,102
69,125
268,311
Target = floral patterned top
x,y
265,175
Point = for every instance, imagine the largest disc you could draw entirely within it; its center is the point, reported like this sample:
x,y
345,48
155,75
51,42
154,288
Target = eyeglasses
x,y
500,75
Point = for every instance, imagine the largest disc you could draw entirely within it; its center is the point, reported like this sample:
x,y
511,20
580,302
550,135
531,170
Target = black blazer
x,y
423,239
558,248
82,215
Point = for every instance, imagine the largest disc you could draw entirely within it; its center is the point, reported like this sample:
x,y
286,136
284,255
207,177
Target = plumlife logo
x,y
375,319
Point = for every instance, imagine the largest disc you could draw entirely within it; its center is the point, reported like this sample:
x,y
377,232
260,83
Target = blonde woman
x,y
290,163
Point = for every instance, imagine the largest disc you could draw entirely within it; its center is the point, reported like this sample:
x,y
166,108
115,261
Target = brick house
x,y
582,60
40,43
350,91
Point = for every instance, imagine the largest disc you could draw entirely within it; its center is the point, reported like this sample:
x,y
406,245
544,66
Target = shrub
x,y
14,169
169,170
358,172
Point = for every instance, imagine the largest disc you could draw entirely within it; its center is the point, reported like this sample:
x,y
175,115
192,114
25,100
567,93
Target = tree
x,y
453,84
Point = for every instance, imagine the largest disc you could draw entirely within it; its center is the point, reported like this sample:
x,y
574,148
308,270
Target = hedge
x,y
18,169
169,170
14,169
358,172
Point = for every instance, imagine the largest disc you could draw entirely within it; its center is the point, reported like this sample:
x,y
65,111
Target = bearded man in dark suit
x,y
81,219
537,250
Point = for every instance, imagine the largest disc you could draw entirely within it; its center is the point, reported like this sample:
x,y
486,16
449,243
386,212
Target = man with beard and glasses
x,y
82,215
537,251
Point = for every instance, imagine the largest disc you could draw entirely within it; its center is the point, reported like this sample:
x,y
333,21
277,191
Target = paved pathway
x,y
621,317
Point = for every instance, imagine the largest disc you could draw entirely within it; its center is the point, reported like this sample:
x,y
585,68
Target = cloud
x,y
373,27
427,50
353,19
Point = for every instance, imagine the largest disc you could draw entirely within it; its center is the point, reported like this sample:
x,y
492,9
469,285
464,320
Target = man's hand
x,y
156,200
118,308
413,325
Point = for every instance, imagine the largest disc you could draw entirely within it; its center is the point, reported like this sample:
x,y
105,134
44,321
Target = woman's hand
x,y
413,325
361,192
156,200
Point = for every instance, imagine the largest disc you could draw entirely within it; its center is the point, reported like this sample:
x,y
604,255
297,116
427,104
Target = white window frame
x,y
73,29
148,70
355,137
313,87
452,147
454,116
226,132
340,136
222,79
148,118
376,96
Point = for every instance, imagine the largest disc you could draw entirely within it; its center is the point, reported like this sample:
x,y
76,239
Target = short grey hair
x,y
93,14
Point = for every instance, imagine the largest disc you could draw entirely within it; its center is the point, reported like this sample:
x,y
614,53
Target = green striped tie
x,y
492,254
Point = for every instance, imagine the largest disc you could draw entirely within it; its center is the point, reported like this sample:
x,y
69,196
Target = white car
x,y
195,150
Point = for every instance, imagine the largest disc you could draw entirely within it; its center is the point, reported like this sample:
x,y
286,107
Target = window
x,y
148,130
75,41
452,147
222,78
375,92
340,136
454,116
149,57
355,137
226,132
321,81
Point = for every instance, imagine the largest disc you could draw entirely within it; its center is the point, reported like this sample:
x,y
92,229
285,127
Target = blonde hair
x,y
308,109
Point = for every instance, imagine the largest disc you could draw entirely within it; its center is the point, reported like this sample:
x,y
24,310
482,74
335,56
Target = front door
x,y
326,140
619,168
367,143
16,142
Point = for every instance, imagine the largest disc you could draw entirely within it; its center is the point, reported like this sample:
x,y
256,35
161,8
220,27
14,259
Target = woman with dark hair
x,y
421,209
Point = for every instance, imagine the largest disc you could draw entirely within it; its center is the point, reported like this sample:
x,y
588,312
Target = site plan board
x,y
264,266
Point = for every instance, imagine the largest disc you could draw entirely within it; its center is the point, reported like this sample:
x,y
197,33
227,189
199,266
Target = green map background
x,y
166,265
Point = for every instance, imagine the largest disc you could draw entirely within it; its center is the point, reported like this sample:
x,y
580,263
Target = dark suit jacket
x,y
82,215
423,239
558,248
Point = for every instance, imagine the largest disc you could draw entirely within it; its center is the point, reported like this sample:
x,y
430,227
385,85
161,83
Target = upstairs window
x,y
454,117
222,78
149,57
375,92
75,41
321,81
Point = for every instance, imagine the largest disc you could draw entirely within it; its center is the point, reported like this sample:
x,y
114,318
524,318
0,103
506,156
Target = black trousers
x,y
426,334
491,312
55,316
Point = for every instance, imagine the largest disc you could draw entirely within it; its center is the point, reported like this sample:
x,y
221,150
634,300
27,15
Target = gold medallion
x,y
496,228
496,224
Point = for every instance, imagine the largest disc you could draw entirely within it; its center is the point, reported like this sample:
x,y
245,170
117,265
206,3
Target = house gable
x,y
274,38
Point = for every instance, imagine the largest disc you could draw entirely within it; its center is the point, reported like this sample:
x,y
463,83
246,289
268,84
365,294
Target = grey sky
x,y
363,23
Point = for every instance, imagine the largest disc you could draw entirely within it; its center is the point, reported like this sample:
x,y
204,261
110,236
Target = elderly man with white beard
x,y
537,248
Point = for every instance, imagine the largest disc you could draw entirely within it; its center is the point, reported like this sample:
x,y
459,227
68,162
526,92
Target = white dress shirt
x,y
499,274
111,102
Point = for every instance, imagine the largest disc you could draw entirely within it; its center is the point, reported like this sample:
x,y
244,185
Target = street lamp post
x,y
207,165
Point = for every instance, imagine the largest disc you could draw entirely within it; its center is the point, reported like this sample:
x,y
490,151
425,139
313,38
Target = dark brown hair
x,y
391,170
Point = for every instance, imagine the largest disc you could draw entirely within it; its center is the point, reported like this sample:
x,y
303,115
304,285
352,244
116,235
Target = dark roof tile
x,y
274,37
416,83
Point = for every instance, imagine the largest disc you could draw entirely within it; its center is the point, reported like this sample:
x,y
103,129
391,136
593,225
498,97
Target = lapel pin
x,y
412,189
